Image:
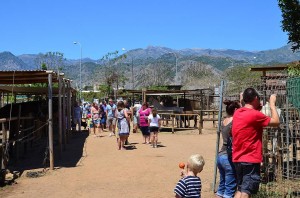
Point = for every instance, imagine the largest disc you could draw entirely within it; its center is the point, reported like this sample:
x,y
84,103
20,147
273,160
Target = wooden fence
x,y
17,133
178,121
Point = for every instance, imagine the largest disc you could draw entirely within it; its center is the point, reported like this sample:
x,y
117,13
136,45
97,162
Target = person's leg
x,y
134,124
230,178
99,129
109,124
148,138
148,135
94,126
143,133
114,120
221,187
239,179
152,138
119,143
250,180
79,124
122,141
155,138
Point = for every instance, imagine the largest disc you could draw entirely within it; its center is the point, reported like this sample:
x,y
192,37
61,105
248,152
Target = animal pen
x,y
280,169
191,109
23,124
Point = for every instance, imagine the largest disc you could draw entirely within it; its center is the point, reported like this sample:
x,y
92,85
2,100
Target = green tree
x,y
240,77
50,60
291,21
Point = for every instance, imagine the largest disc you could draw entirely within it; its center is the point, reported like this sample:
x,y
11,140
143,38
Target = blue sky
x,y
102,26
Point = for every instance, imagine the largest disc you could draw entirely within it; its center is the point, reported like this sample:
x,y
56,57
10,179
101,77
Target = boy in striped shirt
x,y
190,184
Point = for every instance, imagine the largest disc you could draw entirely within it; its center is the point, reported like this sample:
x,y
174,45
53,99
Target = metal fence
x,y
281,146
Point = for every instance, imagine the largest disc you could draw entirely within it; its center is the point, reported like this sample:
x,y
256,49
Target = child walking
x,y
89,122
190,185
154,124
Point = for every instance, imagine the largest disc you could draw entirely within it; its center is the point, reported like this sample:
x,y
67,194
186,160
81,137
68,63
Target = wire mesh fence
x,y
280,169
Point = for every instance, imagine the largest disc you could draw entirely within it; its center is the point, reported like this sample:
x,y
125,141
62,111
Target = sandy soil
x,y
100,170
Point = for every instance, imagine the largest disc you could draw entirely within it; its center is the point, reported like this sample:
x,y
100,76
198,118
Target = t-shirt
x,y
137,109
95,112
102,111
226,130
111,110
247,130
189,186
154,120
143,116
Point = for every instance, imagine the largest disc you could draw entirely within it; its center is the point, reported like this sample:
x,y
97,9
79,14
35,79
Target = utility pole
x,y
132,78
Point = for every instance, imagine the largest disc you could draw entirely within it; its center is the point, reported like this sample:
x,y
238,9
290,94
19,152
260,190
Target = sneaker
x,y
110,135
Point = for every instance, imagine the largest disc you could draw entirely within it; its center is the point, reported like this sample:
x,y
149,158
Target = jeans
x,y
227,186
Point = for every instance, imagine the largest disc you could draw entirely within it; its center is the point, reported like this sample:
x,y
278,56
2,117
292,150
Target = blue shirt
x,y
111,110
189,186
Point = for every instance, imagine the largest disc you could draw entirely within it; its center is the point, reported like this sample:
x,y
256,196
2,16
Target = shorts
x,y
248,177
153,129
111,121
123,134
96,121
103,120
145,130
77,121
135,119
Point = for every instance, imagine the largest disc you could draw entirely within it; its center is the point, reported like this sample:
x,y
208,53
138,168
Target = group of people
x,y
240,156
116,117
242,130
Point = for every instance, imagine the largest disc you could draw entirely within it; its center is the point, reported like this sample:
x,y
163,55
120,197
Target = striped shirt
x,y
189,186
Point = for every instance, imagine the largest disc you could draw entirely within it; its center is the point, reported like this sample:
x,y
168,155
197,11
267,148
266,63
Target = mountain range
x,y
217,60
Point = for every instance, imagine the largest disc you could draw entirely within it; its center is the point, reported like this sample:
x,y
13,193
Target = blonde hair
x,y
196,163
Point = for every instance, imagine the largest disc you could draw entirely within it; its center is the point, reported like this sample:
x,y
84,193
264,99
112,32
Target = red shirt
x,y
247,130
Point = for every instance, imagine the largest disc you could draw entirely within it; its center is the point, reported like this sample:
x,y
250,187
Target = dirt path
x,y
104,171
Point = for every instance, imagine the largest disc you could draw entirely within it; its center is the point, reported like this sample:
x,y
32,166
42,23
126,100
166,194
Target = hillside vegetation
x,y
156,66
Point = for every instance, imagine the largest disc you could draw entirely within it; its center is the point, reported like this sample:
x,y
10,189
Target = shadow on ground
x,y
37,157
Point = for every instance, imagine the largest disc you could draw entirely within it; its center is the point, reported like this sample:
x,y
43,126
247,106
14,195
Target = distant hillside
x,y
159,60
10,62
30,60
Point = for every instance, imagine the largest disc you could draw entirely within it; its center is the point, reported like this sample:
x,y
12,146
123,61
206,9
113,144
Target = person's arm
x,y
116,114
125,114
274,122
159,123
106,111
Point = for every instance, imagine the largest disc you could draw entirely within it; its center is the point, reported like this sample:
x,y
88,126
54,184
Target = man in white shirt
x,y
136,115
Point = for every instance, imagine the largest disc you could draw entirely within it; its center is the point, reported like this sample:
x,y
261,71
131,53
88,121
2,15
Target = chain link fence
x,y
280,169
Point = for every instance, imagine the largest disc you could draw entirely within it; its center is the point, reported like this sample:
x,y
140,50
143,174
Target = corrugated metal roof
x,y
26,76
8,78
